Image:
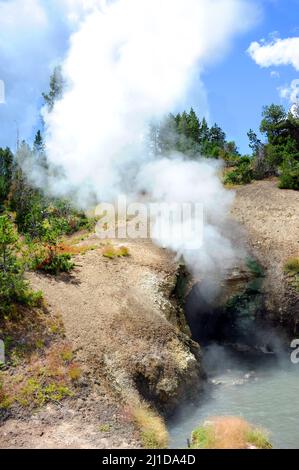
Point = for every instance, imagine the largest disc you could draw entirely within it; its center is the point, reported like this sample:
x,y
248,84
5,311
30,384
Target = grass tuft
x,y
152,428
74,372
104,428
229,433
258,438
291,268
111,252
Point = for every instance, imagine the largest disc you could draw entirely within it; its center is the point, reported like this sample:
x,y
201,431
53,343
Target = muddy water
x,y
264,392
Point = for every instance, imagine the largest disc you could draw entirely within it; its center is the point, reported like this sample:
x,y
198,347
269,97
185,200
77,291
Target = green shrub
x,y
48,259
241,174
14,289
289,177
58,263
32,208
231,177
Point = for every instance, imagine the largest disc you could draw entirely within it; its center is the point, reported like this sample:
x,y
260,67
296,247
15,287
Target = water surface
x,y
265,393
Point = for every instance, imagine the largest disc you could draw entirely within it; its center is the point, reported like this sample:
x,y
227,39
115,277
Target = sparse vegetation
x,y
46,255
292,270
57,263
258,438
152,428
292,266
14,290
229,433
48,375
111,252
104,428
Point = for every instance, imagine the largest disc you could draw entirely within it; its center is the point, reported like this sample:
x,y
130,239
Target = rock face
x,y
271,219
235,316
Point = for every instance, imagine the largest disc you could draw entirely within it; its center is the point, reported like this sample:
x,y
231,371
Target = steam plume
x,y
130,62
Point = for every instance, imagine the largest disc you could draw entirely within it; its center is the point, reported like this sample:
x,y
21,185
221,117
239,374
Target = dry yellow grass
x,y
229,432
292,266
111,252
152,428
75,249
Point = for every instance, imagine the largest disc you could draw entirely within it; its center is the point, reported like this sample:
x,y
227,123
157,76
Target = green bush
x,y
58,263
289,177
242,173
50,260
232,177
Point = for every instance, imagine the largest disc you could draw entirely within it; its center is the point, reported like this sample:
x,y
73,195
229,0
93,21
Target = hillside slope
x,y
127,331
271,219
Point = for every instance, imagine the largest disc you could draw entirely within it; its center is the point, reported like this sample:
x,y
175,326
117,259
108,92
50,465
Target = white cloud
x,y
290,92
276,53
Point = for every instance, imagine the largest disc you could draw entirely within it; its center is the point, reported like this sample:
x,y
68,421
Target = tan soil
x,y
271,219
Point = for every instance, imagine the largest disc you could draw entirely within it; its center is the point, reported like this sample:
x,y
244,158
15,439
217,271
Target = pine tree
x,y
38,145
217,136
56,89
193,126
254,143
204,131
6,170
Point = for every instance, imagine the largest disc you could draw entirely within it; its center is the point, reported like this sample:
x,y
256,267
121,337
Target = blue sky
x,y
236,87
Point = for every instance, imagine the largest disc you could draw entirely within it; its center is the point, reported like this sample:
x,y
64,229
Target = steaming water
x,y
264,394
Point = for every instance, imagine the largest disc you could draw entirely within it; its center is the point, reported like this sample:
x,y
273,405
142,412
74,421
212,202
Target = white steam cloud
x,y
131,62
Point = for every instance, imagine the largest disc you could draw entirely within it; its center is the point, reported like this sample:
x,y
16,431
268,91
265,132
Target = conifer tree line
x,y
185,133
277,154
